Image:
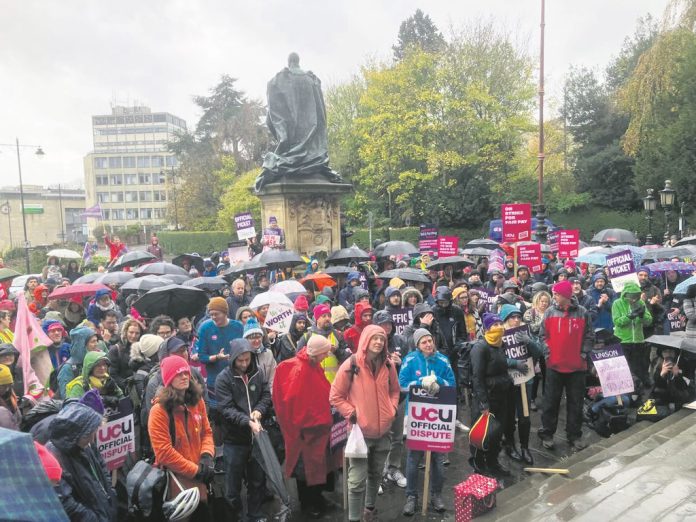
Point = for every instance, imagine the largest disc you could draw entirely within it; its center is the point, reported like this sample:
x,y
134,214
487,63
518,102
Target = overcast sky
x,y
62,62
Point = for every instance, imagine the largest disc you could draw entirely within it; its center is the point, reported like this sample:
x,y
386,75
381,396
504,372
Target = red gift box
x,y
474,497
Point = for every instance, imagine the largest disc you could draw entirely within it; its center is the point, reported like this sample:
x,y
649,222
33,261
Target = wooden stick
x,y
114,477
426,483
619,401
560,471
345,483
525,406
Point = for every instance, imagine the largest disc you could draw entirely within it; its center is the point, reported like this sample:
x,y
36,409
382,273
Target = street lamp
x,y
667,196
649,205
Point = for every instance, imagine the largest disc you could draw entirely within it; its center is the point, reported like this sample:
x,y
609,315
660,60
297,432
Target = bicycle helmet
x,y
183,505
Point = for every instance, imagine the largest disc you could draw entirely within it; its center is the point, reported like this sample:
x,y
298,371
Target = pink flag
x,y
29,338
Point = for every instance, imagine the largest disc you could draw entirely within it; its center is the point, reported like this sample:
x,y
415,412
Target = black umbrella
x,y
115,277
178,279
353,253
88,278
456,262
339,270
675,340
194,260
407,274
615,236
252,265
176,301
688,240
668,252
134,258
488,244
477,251
7,273
265,455
145,284
207,283
160,268
396,248
281,258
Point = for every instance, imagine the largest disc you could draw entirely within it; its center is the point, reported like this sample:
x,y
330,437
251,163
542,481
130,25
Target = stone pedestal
x,y
307,210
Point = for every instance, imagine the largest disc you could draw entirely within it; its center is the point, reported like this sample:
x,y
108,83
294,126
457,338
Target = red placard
x,y
530,255
447,246
568,241
517,222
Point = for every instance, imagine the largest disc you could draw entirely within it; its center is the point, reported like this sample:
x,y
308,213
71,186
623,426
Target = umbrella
x,y
64,253
488,244
669,252
682,287
588,250
179,279
664,266
407,274
115,277
676,340
207,283
688,240
265,455
194,260
338,270
176,301
477,251
281,258
320,279
614,235
144,284
594,258
353,253
134,258
396,248
291,286
7,273
457,262
88,278
77,290
268,298
247,266
160,268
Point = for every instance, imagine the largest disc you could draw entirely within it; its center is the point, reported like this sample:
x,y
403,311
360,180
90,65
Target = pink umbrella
x,y
81,290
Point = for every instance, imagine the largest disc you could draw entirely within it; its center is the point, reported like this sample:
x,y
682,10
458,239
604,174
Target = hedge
x,y
175,243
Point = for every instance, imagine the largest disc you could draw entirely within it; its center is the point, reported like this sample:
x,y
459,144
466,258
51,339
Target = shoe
x,y
512,452
380,491
533,406
394,475
421,465
446,461
313,512
410,507
461,426
437,503
497,470
478,466
548,444
577,444
369,515
527,456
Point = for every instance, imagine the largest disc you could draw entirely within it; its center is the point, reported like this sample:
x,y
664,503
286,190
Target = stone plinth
x,y
308,211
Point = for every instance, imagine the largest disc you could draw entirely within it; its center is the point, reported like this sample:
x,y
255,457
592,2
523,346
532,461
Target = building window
x,y
158,213
129,162
115,162
106,213
131,213
171,161
131,196
102,197
117,214
143,161
157,161
159,195
117,179
144,179
131,179
145,195
117,197
159,178
145,213
102,180
100,163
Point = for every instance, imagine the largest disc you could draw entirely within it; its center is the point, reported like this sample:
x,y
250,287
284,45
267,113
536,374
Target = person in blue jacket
x,y
426,367
603,297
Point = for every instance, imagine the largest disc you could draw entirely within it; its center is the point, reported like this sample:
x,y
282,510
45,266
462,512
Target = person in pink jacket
x,y
366,392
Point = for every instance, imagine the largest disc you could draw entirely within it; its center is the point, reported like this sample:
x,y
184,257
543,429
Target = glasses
x,y
254,336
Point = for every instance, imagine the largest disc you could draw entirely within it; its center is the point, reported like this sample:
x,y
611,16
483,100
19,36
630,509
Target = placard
x,y
496,261
245,225
677,321
427,238
447,246
612,370
517,222
431,419
278,318
339,431
552,239
401,317
116,438
568,243
621,269
530,256
516,349
238,252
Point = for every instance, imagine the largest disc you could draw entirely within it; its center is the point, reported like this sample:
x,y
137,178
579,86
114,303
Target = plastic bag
x,y
356,447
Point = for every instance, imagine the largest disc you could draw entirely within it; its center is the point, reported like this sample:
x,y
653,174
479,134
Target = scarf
x,y
494,336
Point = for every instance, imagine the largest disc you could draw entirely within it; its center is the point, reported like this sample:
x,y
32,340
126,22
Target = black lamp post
x,y
649,205
667,197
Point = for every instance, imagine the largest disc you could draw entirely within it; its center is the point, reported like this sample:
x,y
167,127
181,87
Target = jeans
x,y
437,472
574,385
365,476
397,438
239,466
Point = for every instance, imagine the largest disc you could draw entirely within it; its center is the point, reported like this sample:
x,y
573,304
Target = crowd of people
x,y
204,386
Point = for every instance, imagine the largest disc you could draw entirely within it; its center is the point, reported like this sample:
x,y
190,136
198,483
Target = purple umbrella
x,y
664,266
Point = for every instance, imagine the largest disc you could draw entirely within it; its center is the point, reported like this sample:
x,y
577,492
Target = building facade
x,y
129,173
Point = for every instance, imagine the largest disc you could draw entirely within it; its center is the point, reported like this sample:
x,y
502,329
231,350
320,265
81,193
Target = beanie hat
x,y
419,334
173,366
643,269
328,292
5,375
563,288
320,310
397,283
252,327
457,292
55,325
318,345
382,317
507,310
489,320
272,219
390,291
54,315
321,298
219,304
301,304
93,399
50,464
173,344
148,344
338,314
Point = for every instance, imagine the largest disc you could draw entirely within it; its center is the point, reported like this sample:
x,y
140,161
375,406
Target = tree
x,y
239,198
418,32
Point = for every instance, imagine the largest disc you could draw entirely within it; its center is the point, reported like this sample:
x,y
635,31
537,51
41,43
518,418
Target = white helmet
x,y
183,505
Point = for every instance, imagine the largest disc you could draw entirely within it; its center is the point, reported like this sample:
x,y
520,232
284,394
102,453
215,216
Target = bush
x,y
175,243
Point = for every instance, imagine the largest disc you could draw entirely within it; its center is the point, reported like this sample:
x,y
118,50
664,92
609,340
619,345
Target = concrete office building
x,y
128,174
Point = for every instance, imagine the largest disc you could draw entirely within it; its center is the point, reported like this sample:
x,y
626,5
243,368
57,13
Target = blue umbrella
x,y
682,287
594,258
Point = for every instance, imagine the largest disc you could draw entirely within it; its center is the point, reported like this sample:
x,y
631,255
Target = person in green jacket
x,y
630,315
95,374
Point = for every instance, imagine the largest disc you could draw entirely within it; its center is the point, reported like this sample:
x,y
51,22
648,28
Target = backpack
x,y
466,373
354,368
53,378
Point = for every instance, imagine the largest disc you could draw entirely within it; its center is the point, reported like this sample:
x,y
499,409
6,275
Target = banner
x,y
92,212
517,222
339,431
516,349
278,318
612,370
496,261
238,252
552,239
447,246
431,419
621,269
402,317
568,243
488,297
116,438
677,321
530,256
32,343
427,238
245,225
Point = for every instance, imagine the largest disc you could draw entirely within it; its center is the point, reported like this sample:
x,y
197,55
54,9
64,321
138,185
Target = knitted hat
x,y
643,269
252,327
219,304
489,320
457,292
563,288
55,325
338,314
507,310
397,283
171,367
382,317
318,345
272,219
5,375
321,298
54,315
320,310
50,464
93,399
301,304
148,344
419,334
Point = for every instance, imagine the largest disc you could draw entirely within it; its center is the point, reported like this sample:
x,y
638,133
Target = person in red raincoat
x,y
301,401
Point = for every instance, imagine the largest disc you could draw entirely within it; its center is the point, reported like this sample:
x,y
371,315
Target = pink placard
x,y
447,246
517,222
568,241
530,256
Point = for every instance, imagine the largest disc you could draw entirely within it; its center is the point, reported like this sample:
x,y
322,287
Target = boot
x,y
478,463
512,452
527,456
437,503
410,507
495,468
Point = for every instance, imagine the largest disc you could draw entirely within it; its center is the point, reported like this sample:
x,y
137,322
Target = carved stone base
x,y
308,212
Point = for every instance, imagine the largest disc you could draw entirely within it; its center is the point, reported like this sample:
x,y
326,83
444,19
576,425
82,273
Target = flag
x,y
92,212
32,343
86,253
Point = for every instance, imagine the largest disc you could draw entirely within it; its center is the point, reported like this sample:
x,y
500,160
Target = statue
x,y
297,120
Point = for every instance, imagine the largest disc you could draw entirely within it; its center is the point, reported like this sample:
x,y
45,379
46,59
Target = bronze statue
x,y
297,120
